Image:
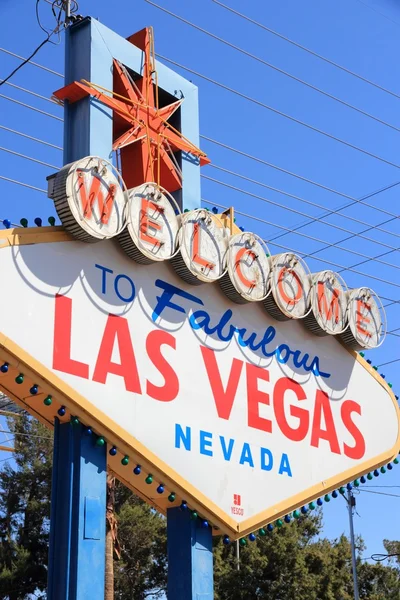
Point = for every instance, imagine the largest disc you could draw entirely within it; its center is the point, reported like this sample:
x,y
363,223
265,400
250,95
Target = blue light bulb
x,y
38,221
287,519
226,540
376,473
270,527
363,479
137,470
304,510
88,431
112,451
4,367
61,411
160,489
252,537
7,223
34,390
319,502
184,505
334,494
349,486
390,466
204,524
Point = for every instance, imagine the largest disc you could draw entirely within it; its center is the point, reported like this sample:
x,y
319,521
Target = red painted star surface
x,y
142,133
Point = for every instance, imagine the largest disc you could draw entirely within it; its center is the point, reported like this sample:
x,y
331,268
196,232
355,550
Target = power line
x,y
275,110
390,362
34,64
279,70
43,112
25,135
40,162
263,199
287,172
327,60
379,493
329,262
27,185
300,199
22,89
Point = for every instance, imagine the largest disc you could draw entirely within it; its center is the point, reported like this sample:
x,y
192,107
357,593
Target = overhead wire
x,y
389,362
43,112
282,206
312,52
36,160
27,185
34,64
329,262
297,176
30,137
271,108
22,89
305,201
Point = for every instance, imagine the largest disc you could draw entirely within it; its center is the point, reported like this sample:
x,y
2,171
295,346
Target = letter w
x,y
95,193
223,397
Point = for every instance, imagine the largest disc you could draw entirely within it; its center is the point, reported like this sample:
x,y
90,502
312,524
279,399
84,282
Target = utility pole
x,y
351,502
67,10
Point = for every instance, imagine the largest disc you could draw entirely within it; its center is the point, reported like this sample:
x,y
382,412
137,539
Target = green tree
x,y
25,511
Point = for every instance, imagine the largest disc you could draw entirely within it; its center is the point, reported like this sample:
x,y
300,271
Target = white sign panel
x,y
239,405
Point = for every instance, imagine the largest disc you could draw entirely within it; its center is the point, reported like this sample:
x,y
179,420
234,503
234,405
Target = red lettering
x,y
255,397
196,257
170,389
223,397
323,304
362,320
147,224
117,329
239,256
62,360
323,408
281,289
358,450
282,386
95,193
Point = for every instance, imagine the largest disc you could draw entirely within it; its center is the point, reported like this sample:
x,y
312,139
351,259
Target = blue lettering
x,y
103,277
285,466
246,455
265,453
226,451
205,443
164,300
132,286
225,331
181,437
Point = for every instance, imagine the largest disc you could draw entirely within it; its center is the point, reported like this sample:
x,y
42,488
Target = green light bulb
x,y
149,479
125,460
370,476
356,483
362,354
100,441
342,490
396,461
279,523
383,470
47,401
194,515
262,532
390,385
296,514
19,379
172,497
24,222
243,542
74,420
311,505
327,498
52,221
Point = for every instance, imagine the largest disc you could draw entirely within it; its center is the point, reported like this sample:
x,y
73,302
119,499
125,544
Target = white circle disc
x,y
90,197
290,285
152,224
328,303
367,324
248,268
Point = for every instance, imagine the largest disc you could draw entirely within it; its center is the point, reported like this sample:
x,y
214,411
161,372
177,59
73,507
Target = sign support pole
x,y
78,506
190,558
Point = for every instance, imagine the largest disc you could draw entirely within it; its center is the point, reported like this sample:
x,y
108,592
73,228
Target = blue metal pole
x,y
190,558
78,516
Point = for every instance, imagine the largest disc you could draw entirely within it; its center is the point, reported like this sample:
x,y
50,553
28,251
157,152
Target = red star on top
x,y
141,129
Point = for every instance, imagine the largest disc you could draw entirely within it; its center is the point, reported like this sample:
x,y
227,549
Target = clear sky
x,y
362,36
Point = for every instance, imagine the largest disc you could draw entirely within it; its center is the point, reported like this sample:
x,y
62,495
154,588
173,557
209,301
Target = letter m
x,y
323,304
95,193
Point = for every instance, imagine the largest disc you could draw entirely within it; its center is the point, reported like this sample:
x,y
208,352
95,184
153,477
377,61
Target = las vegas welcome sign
x,y
220,376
